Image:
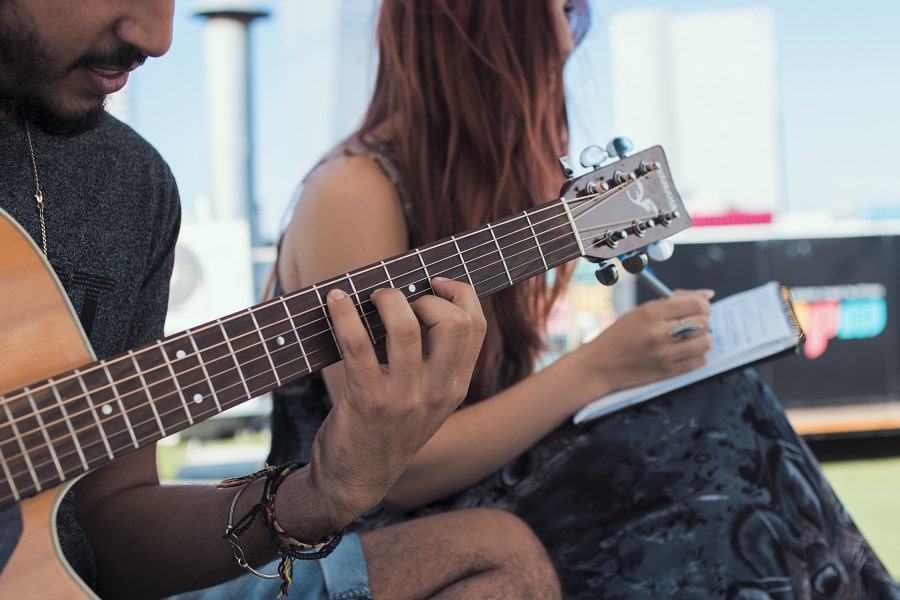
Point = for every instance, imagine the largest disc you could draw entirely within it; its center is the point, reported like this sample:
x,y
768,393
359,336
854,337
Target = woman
x,y
704,492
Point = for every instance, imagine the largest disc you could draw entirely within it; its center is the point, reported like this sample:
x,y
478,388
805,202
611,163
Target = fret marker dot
x,y
180,354
198,398
280,340
412,288
106,409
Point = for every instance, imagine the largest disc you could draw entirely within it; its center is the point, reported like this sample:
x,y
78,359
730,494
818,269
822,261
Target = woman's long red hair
x,y
472,92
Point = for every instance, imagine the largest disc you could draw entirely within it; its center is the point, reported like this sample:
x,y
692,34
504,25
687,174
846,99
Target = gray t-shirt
x,y
112,215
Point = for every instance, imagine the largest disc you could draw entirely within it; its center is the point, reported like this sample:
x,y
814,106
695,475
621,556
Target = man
x,y
103,207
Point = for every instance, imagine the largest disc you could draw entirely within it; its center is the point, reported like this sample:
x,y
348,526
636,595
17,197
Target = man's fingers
x,y
464,297
403,345
352,337
454,327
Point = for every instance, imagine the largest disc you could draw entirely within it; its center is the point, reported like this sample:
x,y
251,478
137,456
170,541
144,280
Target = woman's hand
x,y
643,346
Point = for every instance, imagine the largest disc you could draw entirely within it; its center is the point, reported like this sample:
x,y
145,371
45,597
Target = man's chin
x,y
55,122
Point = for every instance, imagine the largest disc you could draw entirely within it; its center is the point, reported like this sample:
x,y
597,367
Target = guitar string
x,y
263,341
126,358
306,291
119,415
32,469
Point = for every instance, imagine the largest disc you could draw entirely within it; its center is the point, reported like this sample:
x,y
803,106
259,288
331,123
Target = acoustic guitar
x,y
64,413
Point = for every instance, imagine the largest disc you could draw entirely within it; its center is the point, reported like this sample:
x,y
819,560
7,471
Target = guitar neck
x,y
82,419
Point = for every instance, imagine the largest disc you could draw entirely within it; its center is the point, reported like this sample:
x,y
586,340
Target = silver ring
x,y
684,329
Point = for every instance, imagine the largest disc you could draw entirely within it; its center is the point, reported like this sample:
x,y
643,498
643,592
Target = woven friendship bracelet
x,y
286,546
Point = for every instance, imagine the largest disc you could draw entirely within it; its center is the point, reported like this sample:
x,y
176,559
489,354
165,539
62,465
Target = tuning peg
x,y
566,167
592,157
635,263
613,237
640,227
661,251
666,218
607,274
619,147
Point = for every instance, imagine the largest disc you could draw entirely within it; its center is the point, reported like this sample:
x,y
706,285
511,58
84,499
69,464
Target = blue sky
x,y
840,94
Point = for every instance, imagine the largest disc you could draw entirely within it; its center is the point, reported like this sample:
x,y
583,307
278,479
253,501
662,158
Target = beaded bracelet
x,y
285,545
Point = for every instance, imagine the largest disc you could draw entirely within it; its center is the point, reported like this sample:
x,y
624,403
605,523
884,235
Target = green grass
x,y
870,490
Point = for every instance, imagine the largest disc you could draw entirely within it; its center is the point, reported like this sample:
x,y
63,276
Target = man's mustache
x,y
125,58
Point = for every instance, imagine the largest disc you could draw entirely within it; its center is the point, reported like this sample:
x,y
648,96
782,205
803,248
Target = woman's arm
x,y
349,215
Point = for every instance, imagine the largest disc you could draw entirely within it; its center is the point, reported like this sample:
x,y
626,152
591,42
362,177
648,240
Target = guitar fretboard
x,y
85,418
56,429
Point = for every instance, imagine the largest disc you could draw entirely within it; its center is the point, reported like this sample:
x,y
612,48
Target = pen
x,y
655,284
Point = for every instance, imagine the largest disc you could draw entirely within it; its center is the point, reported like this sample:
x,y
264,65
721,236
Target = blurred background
x,y
780,121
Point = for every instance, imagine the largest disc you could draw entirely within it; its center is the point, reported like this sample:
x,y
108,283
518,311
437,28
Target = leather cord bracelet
x,y
286,546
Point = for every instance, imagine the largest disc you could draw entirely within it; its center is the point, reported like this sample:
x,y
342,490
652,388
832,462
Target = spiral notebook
x,y
746,328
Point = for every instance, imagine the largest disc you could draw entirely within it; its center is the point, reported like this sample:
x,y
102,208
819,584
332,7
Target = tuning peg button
x,y
635,263
607,274
566,167
592,157
661,251
619,147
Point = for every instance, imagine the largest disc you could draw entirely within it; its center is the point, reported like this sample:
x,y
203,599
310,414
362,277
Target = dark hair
x,y
472,93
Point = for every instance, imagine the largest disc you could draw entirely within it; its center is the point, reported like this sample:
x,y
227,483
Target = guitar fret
x,y
242,338
93,411
490,228
328,319
537,243
315,331
387,274
216,354
462,262
43,429
25,458
477,251
266,351
117,398
555,241
4,462
237,365
68,420
408,275
296,333
424,266
363,312
278,338
522,258
115,422
565,206
178,388
150,402
162,391
212,389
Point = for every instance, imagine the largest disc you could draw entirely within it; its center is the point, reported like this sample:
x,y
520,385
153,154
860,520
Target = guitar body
x,y
40,337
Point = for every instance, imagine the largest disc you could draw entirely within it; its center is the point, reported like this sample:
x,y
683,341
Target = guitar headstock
x,y
622,207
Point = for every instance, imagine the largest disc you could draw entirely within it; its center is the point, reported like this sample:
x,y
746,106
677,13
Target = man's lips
x,y
107,80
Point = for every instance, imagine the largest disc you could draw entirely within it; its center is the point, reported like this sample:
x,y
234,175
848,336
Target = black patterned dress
x,y
706,492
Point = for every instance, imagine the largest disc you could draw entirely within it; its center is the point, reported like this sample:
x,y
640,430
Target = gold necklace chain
x,y
38,194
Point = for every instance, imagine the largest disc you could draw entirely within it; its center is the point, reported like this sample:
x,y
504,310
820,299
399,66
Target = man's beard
x,y
35,110
26,66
